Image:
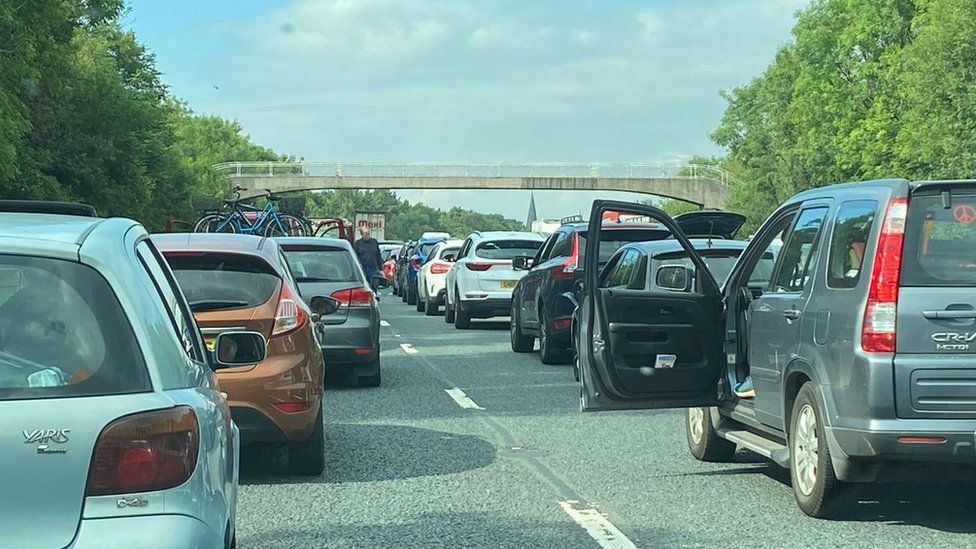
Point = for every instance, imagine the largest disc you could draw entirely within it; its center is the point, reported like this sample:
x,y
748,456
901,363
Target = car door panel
x,y
649,348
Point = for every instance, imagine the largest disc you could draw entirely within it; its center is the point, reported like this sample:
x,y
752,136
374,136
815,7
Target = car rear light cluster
x,y
289,316
439,267
145,452
881,311
360,296
293,407
479,266
567,270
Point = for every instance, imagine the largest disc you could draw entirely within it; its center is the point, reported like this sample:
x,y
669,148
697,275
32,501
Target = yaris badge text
x,y
43,438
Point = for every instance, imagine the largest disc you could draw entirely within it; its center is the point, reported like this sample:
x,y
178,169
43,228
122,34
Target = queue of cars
x,y
135,367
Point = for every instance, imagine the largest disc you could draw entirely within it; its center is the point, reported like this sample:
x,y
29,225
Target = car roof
x,y
498,235
452,243
66,229
833,190
285,241
218,242
655,247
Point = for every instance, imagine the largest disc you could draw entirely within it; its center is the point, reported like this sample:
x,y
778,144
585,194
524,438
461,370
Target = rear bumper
x,y
959,445
352,342
162,531
488,307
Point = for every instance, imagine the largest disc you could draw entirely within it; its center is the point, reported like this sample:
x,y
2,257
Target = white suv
x,y
480,283
432,278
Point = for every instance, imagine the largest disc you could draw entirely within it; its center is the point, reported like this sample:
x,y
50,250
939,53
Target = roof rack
x,y
46,207
571,219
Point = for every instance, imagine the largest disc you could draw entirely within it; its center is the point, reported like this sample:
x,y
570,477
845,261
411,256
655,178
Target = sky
x,y
508,81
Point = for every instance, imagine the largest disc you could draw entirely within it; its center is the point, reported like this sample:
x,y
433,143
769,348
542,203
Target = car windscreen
x,y
612,240
216,281
940,241
63,333
719,263
310,264
507,249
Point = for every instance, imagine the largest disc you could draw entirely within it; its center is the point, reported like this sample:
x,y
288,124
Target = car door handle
x,y
949,315
791,314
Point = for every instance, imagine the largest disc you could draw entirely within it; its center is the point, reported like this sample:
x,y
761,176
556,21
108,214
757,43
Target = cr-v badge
x,y
43,438
953,341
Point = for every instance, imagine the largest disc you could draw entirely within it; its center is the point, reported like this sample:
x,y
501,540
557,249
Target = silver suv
x,y
113,428
860,346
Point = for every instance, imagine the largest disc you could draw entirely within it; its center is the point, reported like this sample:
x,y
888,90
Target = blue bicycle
x,y
239,217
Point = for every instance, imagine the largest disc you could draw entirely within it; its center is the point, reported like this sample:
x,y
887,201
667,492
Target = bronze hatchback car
x,y
239,282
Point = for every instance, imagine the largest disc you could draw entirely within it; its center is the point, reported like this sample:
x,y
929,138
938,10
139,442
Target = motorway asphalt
x,y
408,466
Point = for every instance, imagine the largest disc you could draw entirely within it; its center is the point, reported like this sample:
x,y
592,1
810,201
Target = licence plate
x,y
506,284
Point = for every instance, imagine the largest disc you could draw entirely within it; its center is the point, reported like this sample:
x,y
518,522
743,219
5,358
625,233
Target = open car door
x,y
651,347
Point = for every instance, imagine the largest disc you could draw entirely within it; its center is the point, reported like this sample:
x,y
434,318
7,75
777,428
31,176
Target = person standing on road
x,y
367,250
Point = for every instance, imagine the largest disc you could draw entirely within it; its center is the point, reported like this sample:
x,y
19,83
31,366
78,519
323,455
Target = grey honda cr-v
x,y
860,347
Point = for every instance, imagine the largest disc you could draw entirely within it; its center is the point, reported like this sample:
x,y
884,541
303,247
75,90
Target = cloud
x,y
650,22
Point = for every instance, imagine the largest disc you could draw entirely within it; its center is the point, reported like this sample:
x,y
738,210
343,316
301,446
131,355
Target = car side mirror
x,y
379,282
522,263
323,306
239,349
674,277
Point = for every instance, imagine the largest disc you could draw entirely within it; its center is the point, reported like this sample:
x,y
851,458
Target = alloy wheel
x,y
696,424
806,450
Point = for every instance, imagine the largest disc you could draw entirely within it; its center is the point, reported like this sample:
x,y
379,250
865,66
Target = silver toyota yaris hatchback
x,y
112,429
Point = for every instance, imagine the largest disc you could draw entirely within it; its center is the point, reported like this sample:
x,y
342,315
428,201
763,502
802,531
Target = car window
x,y
506,249
463,252
63,333
848,242
169,291
449,253
718,261
613,240
562,247
321,264
622,272
940,241
799,255
213,281
545,251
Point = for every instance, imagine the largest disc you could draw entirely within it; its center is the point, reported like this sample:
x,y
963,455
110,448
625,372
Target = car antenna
x,y
711,229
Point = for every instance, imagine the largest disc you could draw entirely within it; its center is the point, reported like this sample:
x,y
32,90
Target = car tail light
x,y
439,267
145,452
289,316
479,266
360,296
880,314
567,270
293,407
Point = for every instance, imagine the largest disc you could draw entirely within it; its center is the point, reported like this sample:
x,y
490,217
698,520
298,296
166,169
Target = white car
x,y
480,283
432,277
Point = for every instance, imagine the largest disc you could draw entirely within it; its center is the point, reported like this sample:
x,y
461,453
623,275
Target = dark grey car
x,y
349,337
861,346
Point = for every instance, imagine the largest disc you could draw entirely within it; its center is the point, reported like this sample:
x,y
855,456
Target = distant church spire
x,y
531,218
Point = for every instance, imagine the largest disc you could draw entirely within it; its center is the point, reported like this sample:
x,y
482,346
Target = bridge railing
x,y
411,169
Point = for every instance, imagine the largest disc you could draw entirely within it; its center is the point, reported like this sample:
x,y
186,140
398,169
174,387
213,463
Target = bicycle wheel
x,y
285,225
215,223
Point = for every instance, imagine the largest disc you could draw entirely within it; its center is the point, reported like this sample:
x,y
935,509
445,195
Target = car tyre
x,y
703,442
421,304
411,296
307,458
521,343
548,353
462,320
370,381
403,294
448,312
430,308
815,484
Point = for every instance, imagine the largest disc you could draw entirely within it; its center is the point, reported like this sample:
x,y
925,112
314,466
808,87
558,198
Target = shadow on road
x,y
370,453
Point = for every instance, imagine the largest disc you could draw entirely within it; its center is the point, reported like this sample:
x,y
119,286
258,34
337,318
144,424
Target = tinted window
x,y
507,249
612,240
449,253
940,242
426,248
563,245
719,263
624,269
800,253
848,241
219,281
63,333
322,265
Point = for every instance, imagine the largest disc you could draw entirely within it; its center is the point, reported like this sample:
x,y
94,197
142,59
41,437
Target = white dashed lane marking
x,y
597,526
462,399
408,348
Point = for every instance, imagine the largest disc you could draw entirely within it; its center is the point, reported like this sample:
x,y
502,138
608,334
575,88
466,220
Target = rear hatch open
x,y
69,365
935,366
227,291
